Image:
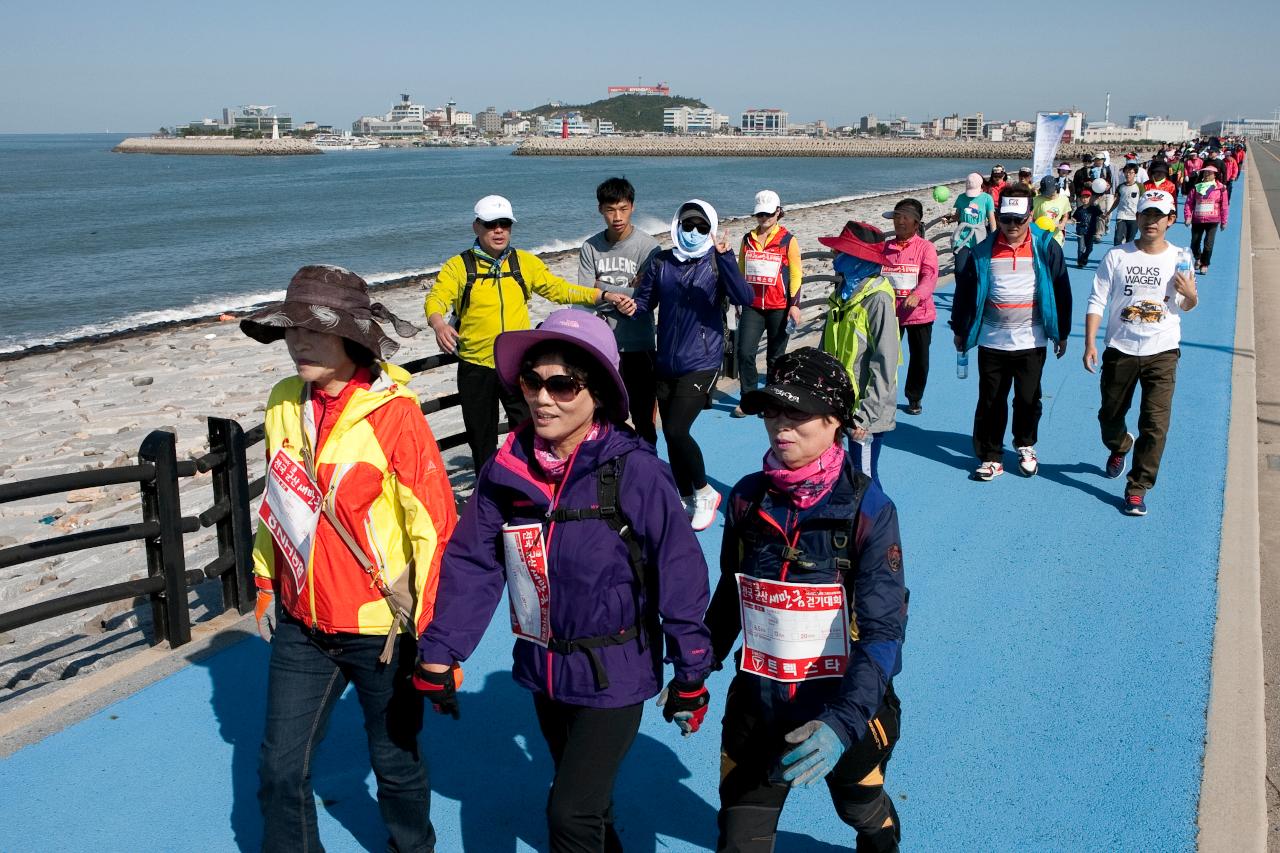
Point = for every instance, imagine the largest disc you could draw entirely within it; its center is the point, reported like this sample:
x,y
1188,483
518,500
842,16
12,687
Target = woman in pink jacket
x,y
911,265
1206,208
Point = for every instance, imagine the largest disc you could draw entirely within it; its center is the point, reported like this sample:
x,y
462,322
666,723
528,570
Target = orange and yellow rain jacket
x,y
377,461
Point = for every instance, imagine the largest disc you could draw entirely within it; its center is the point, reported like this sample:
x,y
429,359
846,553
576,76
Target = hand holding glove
x,y
264,610
684,703
818,751
440,688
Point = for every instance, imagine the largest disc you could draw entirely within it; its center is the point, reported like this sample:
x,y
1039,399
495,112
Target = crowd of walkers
x,y
367,574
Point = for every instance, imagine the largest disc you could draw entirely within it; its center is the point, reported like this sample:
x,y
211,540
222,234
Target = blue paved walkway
x,y
1054,692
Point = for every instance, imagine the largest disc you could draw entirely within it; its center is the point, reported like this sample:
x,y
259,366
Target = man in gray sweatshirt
x,y
612,261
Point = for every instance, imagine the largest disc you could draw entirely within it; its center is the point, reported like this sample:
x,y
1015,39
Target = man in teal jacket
x,y
1012,297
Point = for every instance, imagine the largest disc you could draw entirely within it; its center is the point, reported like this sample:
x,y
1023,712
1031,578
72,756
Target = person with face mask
x,y
688,285
355,519
813,698
861,332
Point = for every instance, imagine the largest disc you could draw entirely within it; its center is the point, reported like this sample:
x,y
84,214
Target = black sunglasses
x,y
696,225
504,224
1010,219
770,412
765,215
561,387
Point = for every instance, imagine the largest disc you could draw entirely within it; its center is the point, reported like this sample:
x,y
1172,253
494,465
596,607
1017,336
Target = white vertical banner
x,y
1049,128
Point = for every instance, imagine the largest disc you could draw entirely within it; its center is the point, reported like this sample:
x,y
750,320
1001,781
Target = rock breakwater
x,y
215,145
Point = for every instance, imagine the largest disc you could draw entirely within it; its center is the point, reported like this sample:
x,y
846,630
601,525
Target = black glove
x,y
440,688
684,703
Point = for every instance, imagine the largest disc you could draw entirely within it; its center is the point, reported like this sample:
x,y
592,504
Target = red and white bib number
x,y
291,511
793,631
902,277
1206,208
762,268
528,584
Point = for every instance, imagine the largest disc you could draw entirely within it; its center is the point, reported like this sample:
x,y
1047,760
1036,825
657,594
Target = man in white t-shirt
x,y
1144,287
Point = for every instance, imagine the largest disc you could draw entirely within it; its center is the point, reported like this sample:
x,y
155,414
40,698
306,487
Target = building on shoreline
x,y
764,122
693,120
1261,128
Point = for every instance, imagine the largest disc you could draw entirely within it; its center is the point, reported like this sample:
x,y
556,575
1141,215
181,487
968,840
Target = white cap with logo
x,y
1156,200
493,207
767,201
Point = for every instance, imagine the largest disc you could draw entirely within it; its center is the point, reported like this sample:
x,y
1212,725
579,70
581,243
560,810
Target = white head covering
x,y
709,213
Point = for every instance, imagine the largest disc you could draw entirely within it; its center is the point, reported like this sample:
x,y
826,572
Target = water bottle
x,y
1184,263
962,365
791,326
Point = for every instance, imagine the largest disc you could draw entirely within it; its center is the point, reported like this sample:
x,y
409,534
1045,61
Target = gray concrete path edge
x,y
1233,803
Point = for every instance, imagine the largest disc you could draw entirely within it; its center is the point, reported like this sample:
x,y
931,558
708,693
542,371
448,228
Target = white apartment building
x,y
764,122
692,120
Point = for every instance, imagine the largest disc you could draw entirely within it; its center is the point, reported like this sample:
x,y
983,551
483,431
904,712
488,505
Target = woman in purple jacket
x,y
689,284
582,522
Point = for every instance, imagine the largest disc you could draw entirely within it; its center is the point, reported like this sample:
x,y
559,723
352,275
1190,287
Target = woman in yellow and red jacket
x,y
354,521
770,261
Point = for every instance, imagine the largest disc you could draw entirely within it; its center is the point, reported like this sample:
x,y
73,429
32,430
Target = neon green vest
x,y
848,326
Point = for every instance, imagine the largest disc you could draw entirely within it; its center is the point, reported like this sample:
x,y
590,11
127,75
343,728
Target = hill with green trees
x,y
627,112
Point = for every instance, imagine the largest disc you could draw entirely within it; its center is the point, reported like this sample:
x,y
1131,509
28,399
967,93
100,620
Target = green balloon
x,y
941,194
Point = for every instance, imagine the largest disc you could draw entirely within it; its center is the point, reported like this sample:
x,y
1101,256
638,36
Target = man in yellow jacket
x,y
487,289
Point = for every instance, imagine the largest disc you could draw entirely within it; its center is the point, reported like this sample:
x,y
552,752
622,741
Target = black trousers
x,y
998,371
754,323
918,336
642,388
1126,231
1121,376
1203,233
680,400
1085,238
750,803
587,746
481,392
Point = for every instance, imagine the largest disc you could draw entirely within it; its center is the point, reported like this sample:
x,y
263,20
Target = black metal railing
x,y
163,525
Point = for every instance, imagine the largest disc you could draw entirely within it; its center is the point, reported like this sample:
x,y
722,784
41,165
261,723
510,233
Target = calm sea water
x,y
92,241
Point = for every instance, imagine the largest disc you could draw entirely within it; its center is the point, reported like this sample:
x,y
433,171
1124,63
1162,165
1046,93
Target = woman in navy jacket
x,y
689,284
811,550
594,591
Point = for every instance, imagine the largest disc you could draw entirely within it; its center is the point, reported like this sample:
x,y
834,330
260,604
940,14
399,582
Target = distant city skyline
x,y
130,66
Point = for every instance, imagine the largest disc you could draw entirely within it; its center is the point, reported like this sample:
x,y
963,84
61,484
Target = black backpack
x,y
469,263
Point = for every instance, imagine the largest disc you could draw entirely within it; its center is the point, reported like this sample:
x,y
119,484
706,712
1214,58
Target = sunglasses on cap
x,y
699,225
504,224
773,412
561,387
1012,219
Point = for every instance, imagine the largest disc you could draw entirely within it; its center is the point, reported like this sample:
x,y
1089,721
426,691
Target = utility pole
x,y
1106,119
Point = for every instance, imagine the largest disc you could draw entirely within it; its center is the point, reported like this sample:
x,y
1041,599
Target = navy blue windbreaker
x,y
873,582
688,296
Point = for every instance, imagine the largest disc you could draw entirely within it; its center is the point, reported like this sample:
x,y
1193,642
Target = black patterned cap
x,y
807,380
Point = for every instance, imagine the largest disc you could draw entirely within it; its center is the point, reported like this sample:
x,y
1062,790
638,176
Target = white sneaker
x,y
705,503
988,471
1027,461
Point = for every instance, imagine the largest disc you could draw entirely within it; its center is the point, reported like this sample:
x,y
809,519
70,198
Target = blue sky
x,y
133,65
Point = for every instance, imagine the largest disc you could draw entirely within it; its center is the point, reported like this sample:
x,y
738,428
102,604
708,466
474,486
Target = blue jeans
x,y
866,455
309,670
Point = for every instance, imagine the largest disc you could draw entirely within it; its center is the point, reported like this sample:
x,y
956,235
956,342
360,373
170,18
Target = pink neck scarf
x,y
808,484
553,466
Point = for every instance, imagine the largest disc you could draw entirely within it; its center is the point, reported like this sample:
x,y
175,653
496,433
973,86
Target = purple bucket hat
x,y
571,325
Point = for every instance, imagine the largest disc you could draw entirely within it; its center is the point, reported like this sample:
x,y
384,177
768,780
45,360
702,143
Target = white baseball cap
x,y
767,201
493,207
1156,200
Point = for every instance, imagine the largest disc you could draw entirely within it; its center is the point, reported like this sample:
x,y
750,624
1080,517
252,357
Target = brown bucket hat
x,y
332,300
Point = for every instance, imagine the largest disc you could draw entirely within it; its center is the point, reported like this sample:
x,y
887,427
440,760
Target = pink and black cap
x,y
583,330
807,380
